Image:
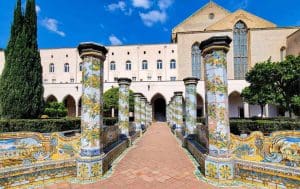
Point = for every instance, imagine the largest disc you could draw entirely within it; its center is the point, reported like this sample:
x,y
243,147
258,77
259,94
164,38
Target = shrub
x,y
39,125
267,125
56,110
45,125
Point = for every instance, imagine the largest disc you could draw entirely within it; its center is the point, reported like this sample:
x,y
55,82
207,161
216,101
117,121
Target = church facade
x,y
158,70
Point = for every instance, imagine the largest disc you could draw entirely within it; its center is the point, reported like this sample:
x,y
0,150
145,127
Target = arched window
x,y
159,64
145,65
112,65
67,67
51,68
173,64
196,61
282,53
240,42
128,65
80,66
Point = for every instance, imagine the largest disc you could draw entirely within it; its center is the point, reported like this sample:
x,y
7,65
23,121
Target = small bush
x,y
55,110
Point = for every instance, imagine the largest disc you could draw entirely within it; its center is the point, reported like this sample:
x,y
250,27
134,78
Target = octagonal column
x,y
178,110
214,51
190,104
123,116
137,111
143,111
89,162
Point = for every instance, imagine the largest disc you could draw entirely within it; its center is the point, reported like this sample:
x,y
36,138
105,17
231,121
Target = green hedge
x,y
239,126
45,125
265,125
39,125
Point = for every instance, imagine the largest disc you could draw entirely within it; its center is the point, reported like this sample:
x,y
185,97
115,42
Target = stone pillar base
x,y
220,169
89,169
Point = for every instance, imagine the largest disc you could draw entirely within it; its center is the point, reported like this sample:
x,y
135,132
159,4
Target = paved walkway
x,y
155,161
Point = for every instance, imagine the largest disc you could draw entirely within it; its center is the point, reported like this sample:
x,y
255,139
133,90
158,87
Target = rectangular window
x,y
133,78
149,78
115,79
173,78
53,80
72,80
159,78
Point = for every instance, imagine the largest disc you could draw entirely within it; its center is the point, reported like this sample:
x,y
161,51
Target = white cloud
x,y
52,25
153,17
121,5
37,9
114,40
146,4
164,4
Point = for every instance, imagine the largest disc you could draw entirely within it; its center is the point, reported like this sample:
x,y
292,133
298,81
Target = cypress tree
x,y
34,90
10,54
23,96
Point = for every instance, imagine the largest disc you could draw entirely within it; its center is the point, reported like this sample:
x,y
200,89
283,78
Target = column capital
x,y
178,93
191,80
124,81
216,42
92,49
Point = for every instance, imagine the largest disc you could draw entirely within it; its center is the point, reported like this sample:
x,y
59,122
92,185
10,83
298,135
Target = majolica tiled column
x,y
89,161
143,111
190,104
178,111
218,165
137,112
123,115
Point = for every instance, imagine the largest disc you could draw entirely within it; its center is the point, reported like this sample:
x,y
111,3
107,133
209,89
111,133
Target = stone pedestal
x,y
89,161
123,115
218,164
190,105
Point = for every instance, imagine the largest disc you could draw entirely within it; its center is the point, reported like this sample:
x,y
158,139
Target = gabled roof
x,y
200,19
249,19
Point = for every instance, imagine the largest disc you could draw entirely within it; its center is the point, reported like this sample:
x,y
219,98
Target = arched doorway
x,y
51,98
200,105
79,107
159,107
236,108
70,104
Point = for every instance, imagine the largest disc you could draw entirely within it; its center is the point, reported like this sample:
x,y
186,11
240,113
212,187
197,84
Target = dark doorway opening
x,y
159,108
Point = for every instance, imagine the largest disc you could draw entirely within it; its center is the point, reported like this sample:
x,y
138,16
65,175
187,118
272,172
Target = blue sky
x,y
66,23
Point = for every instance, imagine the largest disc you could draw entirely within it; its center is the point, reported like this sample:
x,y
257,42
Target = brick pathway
x,y
155,161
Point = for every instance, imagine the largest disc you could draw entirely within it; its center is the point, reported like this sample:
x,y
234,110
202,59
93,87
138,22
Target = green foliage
x,y
259,92
286,79
267,126
274,82
111,100
45,125
39,125
21,87
55,110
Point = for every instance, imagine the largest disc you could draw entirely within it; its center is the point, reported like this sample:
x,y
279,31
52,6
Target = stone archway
x,y
159,107
79,106
200,106
70,104
51,98
236,107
